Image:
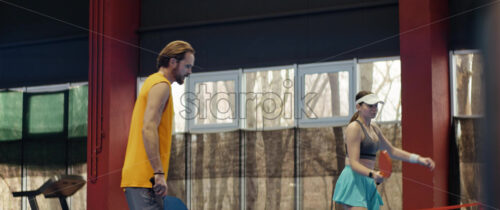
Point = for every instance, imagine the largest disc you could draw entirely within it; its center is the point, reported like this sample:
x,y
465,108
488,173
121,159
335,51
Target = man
x,y
148,148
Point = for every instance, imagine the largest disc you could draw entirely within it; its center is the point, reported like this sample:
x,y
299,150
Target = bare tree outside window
x,y
383,78
324,100
469,88
269,99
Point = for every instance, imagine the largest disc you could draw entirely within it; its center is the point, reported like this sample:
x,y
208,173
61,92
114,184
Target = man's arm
x,y
157,99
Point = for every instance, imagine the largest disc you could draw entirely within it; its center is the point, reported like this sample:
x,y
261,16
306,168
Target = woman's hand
x,y
377,177
427,162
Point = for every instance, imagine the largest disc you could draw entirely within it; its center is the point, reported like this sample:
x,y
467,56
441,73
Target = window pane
x,y
42,160
179,107
79,199
468,83
468,146
321,161
269,98
216,102
11,115
78,109
269,173
384,79
177,169
11,172
215,164
326,95
46,112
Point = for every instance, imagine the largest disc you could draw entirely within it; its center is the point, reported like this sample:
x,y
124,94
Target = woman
x,y
355,188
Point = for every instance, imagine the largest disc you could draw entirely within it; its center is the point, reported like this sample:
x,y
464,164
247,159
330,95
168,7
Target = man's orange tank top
x,y
137,169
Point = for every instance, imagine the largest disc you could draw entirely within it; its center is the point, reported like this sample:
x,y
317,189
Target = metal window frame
x,y
178,112
243,104
138,85
269,68
46,88
453,81
228,75
358,79
453,84
327,67
371,60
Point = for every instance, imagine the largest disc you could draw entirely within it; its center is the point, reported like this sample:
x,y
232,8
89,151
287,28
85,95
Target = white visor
x,y
369,99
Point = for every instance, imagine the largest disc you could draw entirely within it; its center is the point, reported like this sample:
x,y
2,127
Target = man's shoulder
x,y
154,79
161,88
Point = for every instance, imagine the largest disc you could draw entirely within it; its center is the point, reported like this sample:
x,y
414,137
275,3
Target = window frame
x,y
226,75
358,79
244,92
453,82
327,67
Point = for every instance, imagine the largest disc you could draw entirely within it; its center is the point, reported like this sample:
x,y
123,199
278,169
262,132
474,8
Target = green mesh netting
x,y
78,104
43,149
11,115
46,113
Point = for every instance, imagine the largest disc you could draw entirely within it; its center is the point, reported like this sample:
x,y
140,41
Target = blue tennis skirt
x,y
354,189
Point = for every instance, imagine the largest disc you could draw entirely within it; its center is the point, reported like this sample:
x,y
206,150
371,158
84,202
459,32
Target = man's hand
x,y
160,185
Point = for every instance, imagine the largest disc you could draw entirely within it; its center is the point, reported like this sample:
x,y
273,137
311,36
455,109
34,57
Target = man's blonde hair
x,y
176,49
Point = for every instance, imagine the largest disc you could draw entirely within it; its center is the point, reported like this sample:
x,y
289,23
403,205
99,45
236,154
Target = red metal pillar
x,y
113,67
425,99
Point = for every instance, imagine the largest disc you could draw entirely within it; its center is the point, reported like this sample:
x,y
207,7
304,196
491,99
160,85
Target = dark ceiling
x,y
46,42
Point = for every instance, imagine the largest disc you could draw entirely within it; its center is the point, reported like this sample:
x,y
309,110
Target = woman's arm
x,y
400,154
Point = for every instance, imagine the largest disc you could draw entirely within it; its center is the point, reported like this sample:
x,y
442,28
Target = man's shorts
x,y
143,198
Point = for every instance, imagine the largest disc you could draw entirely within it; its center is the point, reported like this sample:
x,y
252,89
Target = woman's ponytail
x,y
354,116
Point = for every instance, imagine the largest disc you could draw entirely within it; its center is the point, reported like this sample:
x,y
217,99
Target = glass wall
x,y
383,76
263,138
467,110
42,134
273,137
268,98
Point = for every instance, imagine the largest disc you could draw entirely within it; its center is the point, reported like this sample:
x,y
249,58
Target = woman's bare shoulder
x,y
353,127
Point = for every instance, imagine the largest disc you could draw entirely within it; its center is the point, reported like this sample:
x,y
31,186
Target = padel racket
x,y
385,164
171,202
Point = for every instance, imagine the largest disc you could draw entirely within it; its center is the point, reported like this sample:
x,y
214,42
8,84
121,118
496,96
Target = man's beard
x,y
178,77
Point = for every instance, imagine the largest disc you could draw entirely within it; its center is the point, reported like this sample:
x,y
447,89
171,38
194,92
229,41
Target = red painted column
x,y
113,67
425,99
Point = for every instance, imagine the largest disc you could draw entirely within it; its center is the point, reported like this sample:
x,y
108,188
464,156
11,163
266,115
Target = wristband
x,y
158,173
414,158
